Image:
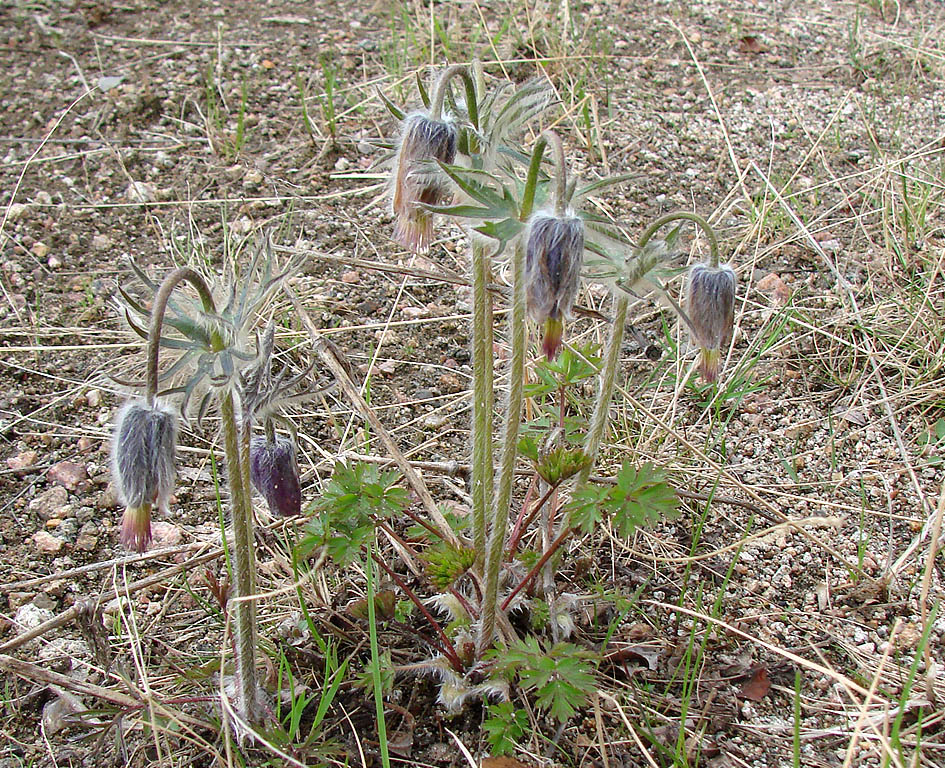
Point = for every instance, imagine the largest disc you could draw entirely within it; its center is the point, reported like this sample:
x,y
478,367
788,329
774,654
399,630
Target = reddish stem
x,y
519,525
555,545
517,535
393,534
463,602
447,649
420,521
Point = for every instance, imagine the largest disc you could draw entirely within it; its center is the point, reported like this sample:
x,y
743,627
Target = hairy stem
x,y
662,221
244,560
483,397
439,93
561,171
513,417
608,378
170,282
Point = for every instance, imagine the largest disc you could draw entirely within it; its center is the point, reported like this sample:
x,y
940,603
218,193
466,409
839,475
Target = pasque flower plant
x,y
219,361
527,218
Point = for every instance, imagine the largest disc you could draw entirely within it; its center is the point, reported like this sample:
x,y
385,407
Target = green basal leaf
x,y
504,727
641,497
561,677
586,507
343,518
560,463
528,447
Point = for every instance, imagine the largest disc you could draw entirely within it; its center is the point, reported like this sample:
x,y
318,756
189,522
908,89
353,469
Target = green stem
x,y
483,396
561,171
695,218
531,180
608,379
375,662
163,295
513,417
244,561
439,93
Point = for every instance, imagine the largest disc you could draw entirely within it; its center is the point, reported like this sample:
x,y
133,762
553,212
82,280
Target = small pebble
x,y
49,502
165,535
141,192
29,616
46,543
22,461
68,474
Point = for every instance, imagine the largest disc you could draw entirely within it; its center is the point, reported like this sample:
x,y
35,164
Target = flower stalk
x,y
513,416
238,472
483,396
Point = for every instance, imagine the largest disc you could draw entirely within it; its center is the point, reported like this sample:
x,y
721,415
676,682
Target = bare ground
x,y
811,132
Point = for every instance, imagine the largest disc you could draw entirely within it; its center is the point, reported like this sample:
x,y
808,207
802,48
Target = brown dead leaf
x,y
502,762
751,44
757,686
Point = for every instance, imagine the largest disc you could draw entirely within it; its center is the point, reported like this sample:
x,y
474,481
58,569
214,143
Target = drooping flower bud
x,y
274,472
554,253
143,466
712,313
417,181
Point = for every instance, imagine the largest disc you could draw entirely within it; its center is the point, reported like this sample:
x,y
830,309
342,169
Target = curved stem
x,y
448,649
561,171
693,217
439,93
170,282
552,548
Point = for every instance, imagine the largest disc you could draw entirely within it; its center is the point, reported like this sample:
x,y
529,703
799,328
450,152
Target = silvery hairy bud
x,y
712,313
275,474
417,181
554,253
143,466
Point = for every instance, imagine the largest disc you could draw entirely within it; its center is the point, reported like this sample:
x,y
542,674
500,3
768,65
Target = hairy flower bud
x,y
712,313
275,474
143,466
554,253
417,181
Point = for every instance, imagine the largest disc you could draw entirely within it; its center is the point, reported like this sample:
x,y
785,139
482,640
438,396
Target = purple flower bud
x,y
712,313
417,181
554,253
275,474
143,466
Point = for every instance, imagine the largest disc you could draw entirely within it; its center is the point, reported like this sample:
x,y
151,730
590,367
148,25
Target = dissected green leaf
x,y
343,518
504,727
561,677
